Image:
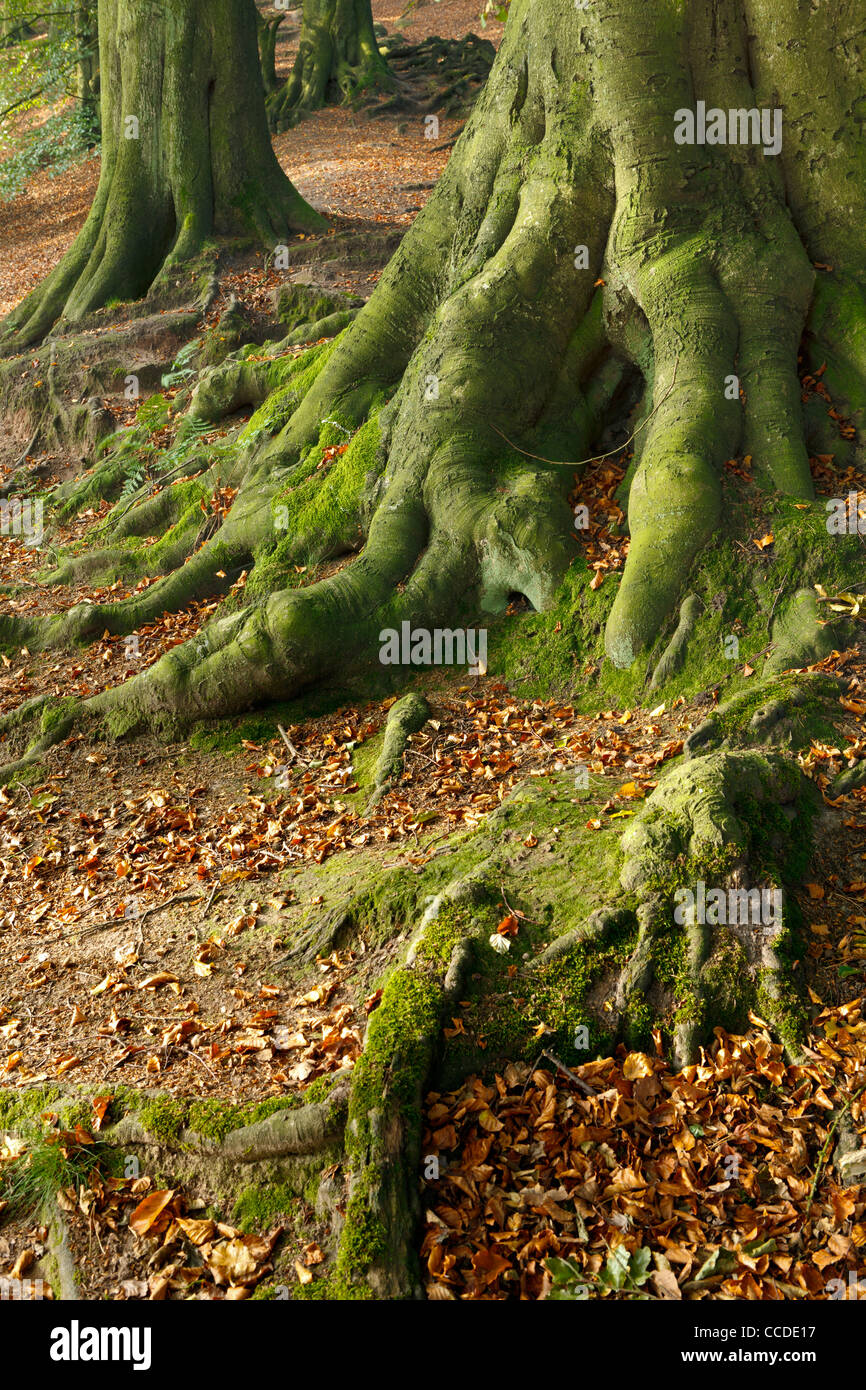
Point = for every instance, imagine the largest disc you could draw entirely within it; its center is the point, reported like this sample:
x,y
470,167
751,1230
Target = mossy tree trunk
x,y
267,31
572,245
571,249
338,59
186,155
86,38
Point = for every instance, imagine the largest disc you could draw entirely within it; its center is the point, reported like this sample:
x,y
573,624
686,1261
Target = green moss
x,y
639,1022
363,1240
544,654
289,379
316,512
259,1208
164,1118
335,1288
441,935
20,1111
58,713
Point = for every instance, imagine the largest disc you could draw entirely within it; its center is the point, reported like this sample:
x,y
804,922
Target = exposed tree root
x,y
437,75
405,717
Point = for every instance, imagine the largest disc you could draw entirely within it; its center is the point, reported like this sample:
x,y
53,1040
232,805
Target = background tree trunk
x,y
267,31
338,59
87,38
186,155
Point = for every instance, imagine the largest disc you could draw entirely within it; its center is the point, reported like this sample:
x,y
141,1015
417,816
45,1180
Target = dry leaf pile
x,y
713,1168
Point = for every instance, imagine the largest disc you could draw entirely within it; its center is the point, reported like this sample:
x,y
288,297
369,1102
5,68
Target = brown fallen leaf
x,y
146,1212
23,1263
196,1232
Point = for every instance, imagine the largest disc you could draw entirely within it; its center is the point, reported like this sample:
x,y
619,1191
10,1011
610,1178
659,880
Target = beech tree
x,y
338,59
186,155
618,242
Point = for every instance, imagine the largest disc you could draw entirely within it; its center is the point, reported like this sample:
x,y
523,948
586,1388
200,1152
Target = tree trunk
x,y
87,40
338,60
267,31
574,257
572,246
186,155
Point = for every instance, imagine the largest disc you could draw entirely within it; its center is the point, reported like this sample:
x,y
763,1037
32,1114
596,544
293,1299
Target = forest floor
x,y
149,896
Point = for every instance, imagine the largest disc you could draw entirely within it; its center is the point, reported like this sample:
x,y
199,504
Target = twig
x,y
823,1155
551,1057
521,916
594,458
773,609
209,903
581,1085
139,918
291,747
191,1053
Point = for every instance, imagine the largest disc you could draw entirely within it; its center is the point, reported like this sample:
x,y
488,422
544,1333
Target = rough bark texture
x,y
268,30
487,324
185,156
86,38
571,252
338,60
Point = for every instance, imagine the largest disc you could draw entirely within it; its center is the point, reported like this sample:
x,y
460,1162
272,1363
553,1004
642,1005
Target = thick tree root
x,y
405,717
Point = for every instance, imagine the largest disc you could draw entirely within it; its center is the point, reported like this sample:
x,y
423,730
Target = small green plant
x,y
58,1159
622,1273
134,480
180,369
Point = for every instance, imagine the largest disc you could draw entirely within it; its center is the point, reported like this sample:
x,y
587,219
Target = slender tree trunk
x,y
338,59
86,37
267,31
186,155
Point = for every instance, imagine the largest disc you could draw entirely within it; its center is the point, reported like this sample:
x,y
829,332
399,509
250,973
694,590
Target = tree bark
x,y
186,156
338,60
571,251
695,266
267,31
86,37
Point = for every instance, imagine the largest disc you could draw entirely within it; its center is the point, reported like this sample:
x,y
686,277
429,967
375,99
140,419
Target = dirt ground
x,y
345,163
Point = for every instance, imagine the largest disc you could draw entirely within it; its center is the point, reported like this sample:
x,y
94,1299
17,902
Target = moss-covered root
x,y
674,653
801,634
711,858
780,713
377,1242
405,717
